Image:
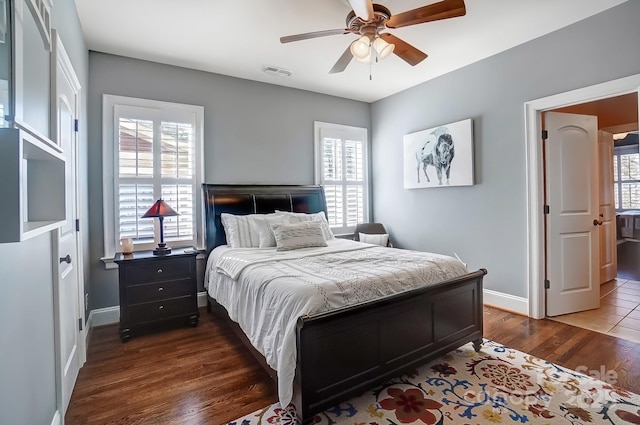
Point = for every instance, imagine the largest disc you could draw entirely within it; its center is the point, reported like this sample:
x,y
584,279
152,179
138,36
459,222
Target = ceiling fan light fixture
x,y
383,49
360,49
366,59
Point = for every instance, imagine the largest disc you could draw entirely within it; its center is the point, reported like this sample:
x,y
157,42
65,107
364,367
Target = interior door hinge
x,y
546,209
75,125
547,284
80,324
77,224
545,134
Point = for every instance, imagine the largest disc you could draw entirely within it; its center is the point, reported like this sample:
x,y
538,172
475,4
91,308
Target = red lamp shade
x,y
161,210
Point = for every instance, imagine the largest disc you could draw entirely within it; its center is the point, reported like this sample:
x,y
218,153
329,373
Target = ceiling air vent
x,y
277,71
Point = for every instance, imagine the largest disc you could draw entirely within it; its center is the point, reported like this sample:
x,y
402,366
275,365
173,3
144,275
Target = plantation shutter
x,y
341,170
155,159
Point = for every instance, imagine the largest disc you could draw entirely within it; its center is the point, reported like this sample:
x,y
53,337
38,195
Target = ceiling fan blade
x,y
342,63
433,12
404,50
362,8
308,35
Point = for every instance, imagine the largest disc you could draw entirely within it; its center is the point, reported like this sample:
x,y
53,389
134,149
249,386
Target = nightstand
x,y
156,288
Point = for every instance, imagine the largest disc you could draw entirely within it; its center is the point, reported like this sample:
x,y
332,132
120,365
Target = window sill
x,y
109,263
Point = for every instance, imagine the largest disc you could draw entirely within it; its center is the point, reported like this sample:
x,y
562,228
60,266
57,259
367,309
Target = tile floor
x,y
619,312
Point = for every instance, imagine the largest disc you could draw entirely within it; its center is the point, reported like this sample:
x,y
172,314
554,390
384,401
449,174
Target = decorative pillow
x,y
382,239
262,226
238,228
294,217
306,234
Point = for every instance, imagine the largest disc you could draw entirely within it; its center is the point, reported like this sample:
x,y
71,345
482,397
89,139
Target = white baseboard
x,y
202,299
57,419
110,315
507,302
104,316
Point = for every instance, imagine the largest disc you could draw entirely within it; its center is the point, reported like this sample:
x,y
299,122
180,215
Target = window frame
x,y
156,110
618,151
322,129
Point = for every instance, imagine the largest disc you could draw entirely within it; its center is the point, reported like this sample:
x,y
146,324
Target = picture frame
x,y
440,156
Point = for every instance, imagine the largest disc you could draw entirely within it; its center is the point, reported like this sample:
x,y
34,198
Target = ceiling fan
x,y
368,20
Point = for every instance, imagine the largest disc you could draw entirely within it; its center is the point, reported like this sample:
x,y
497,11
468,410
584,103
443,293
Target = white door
x,y
608,242
573,264
70,287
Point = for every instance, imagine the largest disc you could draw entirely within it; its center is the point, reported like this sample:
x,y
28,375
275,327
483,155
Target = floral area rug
x,y
498,385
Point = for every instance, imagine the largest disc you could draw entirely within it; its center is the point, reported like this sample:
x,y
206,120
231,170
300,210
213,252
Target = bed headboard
x,y
255,199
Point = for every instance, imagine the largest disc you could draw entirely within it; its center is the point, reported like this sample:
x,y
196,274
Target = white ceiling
x,y
241,37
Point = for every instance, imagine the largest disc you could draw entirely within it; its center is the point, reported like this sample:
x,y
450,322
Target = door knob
x,y
66,259
597,222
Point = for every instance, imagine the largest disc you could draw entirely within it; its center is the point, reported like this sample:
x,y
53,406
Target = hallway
x,y
619,312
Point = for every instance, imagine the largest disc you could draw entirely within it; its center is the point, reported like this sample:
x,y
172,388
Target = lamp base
x,y
162,249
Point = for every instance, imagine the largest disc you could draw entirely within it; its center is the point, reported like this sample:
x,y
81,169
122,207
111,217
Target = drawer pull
x,y
160,289
161,307
159,270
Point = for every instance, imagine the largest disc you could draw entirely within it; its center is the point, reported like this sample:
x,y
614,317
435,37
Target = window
x,y
341,165
626,176
151,150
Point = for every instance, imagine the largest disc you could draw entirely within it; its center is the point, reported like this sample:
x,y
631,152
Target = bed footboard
x,y
345,352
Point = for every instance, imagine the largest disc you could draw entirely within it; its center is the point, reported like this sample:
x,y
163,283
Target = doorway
x,y
535,175
618,288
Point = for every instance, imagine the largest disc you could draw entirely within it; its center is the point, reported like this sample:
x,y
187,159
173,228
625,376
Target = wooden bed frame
x,y
344,352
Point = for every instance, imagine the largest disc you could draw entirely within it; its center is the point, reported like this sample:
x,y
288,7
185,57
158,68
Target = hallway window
x,y
626,174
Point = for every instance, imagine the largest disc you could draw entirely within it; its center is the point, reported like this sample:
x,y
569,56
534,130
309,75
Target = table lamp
x,y
161,210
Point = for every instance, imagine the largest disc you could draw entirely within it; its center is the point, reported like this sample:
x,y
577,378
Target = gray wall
x,y
27,369
254,132
486,223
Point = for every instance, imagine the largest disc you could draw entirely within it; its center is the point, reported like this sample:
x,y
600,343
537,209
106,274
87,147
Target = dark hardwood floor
x,y
204,375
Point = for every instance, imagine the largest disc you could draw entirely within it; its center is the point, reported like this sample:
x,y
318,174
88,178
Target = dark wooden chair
x,y
371,229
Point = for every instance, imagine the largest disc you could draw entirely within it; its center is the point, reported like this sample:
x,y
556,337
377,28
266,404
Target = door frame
x,y
535,174
60,57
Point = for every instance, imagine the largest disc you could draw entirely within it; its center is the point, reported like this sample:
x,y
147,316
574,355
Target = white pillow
x,y
294,217
306,234
262,226
382,239
240,233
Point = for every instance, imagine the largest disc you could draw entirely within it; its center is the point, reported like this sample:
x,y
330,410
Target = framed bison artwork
x,y
439,156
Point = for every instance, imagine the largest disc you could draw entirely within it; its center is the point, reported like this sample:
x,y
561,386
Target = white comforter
x,y
265,291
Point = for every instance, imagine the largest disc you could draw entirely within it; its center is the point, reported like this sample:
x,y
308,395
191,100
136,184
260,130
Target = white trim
x,y
535,174
111,315
62,68
104,316
505,301
109,103
57,419
344,132
88,330
109,262
202,299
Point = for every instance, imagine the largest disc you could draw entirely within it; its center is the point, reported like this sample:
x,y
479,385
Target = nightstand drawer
x,y
155,271
159,291
161,309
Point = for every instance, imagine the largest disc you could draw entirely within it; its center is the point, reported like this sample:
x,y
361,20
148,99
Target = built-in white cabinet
x,y
32,193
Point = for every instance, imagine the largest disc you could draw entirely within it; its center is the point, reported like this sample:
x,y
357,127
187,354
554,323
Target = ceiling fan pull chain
x,y
371,53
